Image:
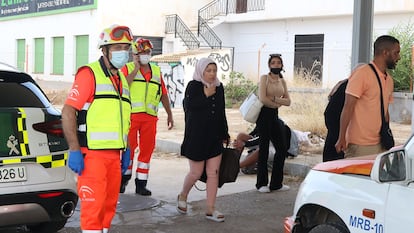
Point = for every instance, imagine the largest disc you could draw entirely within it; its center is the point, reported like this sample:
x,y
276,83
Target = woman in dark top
x,y
205,131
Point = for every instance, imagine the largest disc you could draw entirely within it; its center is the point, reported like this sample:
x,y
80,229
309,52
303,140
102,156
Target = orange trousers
x,y
98,189
142,134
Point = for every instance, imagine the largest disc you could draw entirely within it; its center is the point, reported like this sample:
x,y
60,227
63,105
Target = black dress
x,y
205,123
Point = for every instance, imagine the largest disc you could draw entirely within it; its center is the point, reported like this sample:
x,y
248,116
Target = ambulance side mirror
x,y
390,166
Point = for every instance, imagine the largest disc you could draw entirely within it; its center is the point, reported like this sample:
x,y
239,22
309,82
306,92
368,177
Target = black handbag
x,y
387,139
229,167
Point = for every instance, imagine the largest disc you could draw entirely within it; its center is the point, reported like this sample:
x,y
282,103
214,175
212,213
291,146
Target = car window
x,y
21,95
392,167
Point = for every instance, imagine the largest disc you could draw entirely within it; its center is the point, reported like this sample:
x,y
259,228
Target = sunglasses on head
x,y
119,32
275,55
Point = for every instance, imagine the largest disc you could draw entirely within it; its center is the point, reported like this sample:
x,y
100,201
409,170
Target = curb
x,y
290,168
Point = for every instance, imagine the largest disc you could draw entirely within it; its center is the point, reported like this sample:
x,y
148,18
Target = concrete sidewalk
x,y
170,140
168,168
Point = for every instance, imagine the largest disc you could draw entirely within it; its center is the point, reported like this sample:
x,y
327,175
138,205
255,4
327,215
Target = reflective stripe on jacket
x,y
145,96
104,123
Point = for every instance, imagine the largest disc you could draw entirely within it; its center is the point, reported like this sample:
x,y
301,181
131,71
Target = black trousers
x,y
271,129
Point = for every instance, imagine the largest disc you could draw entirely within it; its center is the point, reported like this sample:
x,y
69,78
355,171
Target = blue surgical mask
x,y
119,58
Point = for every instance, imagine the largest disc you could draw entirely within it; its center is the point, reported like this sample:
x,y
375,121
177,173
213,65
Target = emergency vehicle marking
x,y
47,161
12,144
365,224
23,137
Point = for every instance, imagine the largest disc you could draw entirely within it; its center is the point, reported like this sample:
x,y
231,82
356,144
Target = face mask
x,y
119,58
144,58
275,70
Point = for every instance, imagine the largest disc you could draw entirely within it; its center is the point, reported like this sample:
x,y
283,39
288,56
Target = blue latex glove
x,y
126,156
76,161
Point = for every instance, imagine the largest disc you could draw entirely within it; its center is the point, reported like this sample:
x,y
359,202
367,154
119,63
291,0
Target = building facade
x,y
50,39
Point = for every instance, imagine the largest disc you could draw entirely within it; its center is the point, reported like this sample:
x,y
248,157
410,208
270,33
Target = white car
x,y
370,194
37,189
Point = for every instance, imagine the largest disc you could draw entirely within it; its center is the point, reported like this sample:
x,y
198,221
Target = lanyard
x,y
116,82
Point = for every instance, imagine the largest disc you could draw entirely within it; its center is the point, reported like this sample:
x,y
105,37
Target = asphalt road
x,y
248,211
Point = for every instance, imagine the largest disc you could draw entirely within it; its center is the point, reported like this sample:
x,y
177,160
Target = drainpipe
x,y
26,59
258,61
411,89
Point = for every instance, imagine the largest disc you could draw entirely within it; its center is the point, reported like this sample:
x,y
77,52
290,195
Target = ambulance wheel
x,y
329,228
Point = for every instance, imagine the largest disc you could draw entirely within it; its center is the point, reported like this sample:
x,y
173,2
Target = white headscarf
x,y
199,70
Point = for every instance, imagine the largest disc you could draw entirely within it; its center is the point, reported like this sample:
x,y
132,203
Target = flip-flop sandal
x,y
215,216
181,206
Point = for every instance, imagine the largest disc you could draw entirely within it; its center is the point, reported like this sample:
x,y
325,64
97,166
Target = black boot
x,y
140,187
124,182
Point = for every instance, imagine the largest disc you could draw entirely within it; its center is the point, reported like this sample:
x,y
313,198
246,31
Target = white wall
x,y
247,33
278,36
66,25
146,19
263,38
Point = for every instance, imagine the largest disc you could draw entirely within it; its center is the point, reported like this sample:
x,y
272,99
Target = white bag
x,y
250,108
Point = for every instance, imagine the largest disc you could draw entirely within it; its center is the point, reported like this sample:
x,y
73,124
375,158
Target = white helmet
x,y
115,34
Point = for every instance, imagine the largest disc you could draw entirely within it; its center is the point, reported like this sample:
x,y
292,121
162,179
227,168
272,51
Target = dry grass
x,y
56,97
308,103
304,114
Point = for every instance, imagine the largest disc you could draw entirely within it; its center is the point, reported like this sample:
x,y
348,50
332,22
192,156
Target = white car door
x,y
400,199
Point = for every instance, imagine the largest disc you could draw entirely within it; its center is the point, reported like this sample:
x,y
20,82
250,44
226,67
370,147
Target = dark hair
x,y
384,43
277,55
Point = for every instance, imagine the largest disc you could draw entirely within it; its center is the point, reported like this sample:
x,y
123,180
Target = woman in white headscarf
x,y
205,131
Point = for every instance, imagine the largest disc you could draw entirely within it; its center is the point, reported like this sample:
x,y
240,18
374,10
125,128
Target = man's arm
x,y
130,77
166,103
347,112
70,127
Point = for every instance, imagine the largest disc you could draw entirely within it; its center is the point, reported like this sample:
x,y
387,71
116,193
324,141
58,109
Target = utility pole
x,y
362,31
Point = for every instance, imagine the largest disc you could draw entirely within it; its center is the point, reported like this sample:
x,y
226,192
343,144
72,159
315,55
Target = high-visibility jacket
x,y
104,123
145,96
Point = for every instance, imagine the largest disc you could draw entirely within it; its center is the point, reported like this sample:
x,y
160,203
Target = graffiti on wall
x,y
178,74
223,60
173,74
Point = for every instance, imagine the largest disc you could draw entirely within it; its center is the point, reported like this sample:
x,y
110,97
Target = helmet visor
x,y
120,32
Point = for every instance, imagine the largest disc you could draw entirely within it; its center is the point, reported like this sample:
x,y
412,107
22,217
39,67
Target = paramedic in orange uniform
x,y
96,120
147,91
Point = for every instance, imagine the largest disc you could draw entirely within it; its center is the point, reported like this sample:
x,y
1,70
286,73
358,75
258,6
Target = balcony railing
x,y
174,24
225,7
208,34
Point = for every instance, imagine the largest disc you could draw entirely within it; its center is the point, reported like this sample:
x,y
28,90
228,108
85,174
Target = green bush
x,y
403,72
237,88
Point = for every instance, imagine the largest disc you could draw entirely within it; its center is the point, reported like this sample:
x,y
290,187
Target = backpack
x,y
336,102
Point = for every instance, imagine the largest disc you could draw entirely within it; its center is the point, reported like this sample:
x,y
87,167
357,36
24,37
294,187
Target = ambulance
x,y
369,194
